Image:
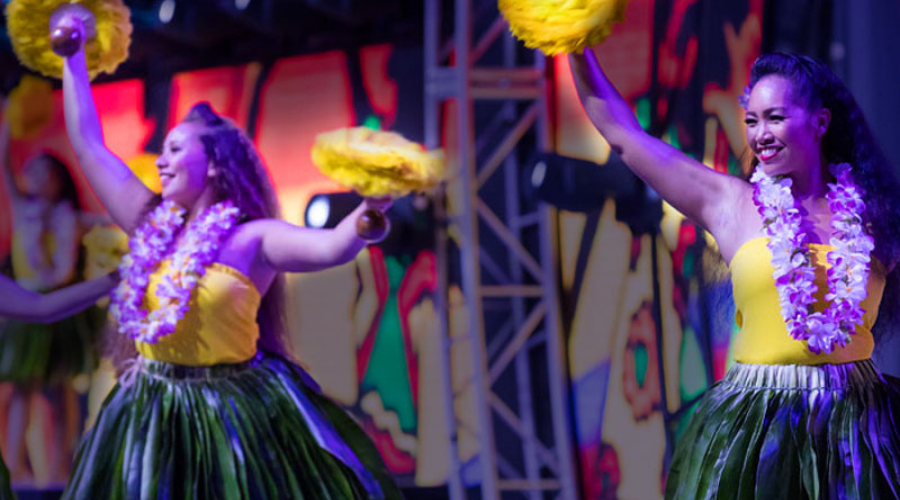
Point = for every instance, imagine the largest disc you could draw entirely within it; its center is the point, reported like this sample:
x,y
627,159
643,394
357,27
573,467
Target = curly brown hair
x,y
241,178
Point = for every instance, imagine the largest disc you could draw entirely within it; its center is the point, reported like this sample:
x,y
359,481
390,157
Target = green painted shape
x,y
734,168
387,371
687,267
734,332
681,424
641,361
692,369
373,122
642,111
672,134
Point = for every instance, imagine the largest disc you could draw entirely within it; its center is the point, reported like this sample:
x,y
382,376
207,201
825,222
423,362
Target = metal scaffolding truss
x,y
506,258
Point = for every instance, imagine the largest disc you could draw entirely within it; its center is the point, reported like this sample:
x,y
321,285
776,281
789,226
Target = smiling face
x,y
783,134
184,168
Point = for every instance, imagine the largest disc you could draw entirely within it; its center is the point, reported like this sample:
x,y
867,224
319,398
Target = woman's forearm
x,y
344,240
289,248
26,305
120,191
82,120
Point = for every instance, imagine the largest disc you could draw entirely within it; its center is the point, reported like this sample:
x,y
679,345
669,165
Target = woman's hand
x,y
372,225
610,114
70,26
382,203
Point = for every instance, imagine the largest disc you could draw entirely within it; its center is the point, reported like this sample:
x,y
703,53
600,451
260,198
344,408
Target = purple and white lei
x,y
149,245
794,272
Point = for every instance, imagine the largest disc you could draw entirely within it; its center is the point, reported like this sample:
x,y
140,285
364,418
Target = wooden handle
x,y
65,40
372,225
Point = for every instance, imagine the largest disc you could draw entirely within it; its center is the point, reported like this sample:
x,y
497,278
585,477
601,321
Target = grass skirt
x,y
53,353
257,430
792,432
5,490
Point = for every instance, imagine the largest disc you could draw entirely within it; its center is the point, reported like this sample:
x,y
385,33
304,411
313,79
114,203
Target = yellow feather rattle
x,y
107,33
376,164
30,107
562,26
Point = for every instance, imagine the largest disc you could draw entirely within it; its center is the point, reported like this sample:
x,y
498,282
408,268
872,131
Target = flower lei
x,y
148,247
794,272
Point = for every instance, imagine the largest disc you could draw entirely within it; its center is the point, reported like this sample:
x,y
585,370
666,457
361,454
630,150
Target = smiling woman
x,y
782,131
803,413
212,386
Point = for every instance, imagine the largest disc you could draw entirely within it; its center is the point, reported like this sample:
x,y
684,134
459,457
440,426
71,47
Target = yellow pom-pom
x,y
144,167
28,24
562,26
375,163
30,107
105,247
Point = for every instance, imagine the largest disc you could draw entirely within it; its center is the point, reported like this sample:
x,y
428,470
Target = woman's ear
x,y
822,119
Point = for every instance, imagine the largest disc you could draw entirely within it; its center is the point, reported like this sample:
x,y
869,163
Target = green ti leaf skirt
x,y
259,430
792,432
53,353
5,490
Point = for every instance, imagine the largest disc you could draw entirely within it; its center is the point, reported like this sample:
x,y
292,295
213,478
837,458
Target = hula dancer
x,y
813,243
25,305
47,228
211,406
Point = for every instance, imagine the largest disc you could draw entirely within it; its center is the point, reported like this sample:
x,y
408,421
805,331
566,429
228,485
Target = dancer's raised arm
x,y
120,191
700,193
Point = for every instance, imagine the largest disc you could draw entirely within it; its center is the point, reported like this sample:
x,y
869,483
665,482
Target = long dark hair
x,y
241,178
58,169
849,140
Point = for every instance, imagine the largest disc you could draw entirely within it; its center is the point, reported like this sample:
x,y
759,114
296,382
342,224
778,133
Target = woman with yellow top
x,y
211,405
25,305
812,243
42,359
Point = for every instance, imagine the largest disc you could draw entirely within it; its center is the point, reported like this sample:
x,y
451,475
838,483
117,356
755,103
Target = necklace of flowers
x,y
794,272
149,244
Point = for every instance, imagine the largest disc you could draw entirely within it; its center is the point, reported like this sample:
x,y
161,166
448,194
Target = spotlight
x,y
166,11
317,211
325,210
583,186
578,185
241,4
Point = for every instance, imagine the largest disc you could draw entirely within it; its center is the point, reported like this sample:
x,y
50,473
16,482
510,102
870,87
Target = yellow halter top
x,y
22,269
220,325
763,338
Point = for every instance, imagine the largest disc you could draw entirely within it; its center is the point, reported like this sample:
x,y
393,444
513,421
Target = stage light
x,y
577,185
241,4
412,218
583,186
538,173
326,210
166,11
317,211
